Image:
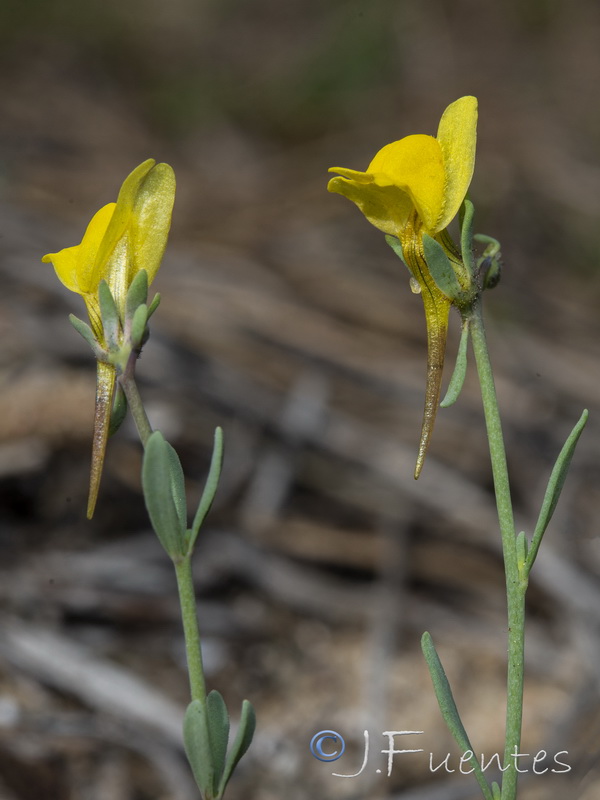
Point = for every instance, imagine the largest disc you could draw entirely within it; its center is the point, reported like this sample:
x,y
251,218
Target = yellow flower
x,y
412,187
121,239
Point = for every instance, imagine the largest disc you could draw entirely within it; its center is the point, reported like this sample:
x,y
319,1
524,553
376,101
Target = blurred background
x,y
286,319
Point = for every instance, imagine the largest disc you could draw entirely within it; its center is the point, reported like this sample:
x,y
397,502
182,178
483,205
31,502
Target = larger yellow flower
x,y
412,187
121,239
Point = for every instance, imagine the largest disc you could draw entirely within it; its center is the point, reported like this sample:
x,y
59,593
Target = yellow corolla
x,y
412,187
121,239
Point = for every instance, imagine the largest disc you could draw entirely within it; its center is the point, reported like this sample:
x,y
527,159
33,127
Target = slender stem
x,y
134,400
515,586
183,568
187,601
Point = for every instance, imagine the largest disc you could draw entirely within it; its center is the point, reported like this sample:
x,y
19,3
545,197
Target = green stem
x,y
134,400
187,601
183,568
515,586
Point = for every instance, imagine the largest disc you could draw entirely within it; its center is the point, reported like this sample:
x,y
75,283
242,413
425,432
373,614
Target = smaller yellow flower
x,y
412,187
121,239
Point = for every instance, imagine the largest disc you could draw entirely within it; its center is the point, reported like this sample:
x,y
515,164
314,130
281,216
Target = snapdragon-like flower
x,y
122,239
413,187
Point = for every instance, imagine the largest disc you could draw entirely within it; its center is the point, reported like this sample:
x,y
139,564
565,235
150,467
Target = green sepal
x,y
441,268
119,410
490,264
466,235
554,488
138,326
153,305
210,489
496,793
449,711
396,246
83,329
137,293
111,322
493,245
460,369
164,492
241,743
491,271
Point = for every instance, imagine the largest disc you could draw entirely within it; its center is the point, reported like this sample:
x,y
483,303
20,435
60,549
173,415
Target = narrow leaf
x,y
496,791
177,486
554,488
460,369
164,493
440,268
196,741
218,731
241,743
449,710
210,489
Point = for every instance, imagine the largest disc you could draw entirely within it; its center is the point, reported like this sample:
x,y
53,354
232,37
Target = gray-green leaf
x,y
240,744
196,741
212,482
554,488
164,493
445,699
218,731
460,369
